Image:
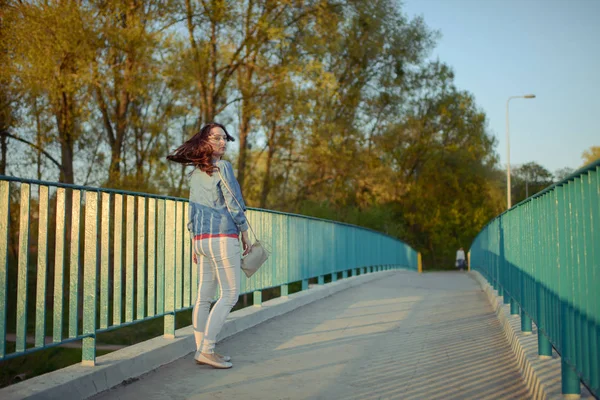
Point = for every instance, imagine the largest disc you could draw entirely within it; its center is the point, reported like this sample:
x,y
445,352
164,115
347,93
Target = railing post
x,y
169,270
257,298
344,274
284,291
571,387
514,307
90,273
505,296
419,263
334,276
570,381
4,240
544,346
364,270
469,260
321,280
525,323
304,284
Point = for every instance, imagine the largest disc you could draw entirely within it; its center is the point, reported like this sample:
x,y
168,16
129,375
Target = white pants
x,y
219,261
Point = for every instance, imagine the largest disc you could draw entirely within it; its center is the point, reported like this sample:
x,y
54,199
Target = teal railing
x,y
543,256
76,261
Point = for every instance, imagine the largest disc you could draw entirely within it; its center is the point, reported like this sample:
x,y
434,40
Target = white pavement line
x,y
542,376
80,382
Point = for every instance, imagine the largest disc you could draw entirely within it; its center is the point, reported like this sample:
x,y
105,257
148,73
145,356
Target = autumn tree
x,y
50,53
590,155
127,69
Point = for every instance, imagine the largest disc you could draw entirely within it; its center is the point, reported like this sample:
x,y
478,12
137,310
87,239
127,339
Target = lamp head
x,y
529,96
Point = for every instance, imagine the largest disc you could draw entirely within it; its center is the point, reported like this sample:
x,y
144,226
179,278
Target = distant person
x,y
216,220
461,262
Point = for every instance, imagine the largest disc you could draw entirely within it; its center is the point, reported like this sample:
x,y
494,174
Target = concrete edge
x,y
128,364
542,376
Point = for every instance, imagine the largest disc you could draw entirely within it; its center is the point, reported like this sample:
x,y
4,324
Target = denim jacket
x,y
212,209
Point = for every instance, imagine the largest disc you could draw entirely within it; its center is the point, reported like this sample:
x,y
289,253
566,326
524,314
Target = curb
x,y
78,381
542,376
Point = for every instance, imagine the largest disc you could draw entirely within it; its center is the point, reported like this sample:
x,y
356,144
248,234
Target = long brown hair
x,y
197,151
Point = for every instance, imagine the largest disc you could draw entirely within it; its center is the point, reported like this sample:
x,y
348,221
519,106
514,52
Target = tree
x,y
6,99
50,53
443,159
130,33
562,173
590,155
529,179
360,64
338,111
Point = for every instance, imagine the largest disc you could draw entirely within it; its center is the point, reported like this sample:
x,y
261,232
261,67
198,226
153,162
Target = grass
x,y
38,363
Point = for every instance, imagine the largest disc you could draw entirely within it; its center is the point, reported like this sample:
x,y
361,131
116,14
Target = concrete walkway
x,y
410,336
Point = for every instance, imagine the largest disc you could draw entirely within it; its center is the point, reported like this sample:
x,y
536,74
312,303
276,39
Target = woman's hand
x,y
246,243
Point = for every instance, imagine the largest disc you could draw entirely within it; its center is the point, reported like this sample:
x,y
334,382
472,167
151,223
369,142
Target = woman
x,y
215,222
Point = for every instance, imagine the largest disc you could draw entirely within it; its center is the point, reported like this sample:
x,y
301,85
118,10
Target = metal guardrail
x,y
543,256
99,259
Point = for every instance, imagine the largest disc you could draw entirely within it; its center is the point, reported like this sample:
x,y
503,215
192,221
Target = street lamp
x,y
527,96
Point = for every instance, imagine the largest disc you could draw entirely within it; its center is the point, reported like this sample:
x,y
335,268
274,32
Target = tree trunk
x,y
114,171
38,140
197,60
243,153
244,83
267,178
66,125
4,148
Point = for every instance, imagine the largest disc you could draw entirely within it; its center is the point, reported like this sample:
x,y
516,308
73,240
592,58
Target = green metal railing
x,y
543,256
99,259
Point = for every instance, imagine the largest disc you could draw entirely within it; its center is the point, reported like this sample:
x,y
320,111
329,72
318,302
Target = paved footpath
x,y
407,336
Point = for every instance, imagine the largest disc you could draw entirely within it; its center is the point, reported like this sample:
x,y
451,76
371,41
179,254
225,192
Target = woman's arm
x,y
236,208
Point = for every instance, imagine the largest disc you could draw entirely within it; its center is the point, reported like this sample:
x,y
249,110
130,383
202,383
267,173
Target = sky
x,y
503,48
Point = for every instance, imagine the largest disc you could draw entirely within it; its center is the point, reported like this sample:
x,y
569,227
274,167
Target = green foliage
x,y
528,179
339,113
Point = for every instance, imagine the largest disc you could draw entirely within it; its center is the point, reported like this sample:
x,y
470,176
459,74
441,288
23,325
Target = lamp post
x,y
508,200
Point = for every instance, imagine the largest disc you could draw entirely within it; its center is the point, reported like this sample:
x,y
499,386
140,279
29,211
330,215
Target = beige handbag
x,y
258,254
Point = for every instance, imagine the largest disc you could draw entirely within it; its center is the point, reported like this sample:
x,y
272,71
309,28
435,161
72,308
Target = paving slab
x,y
402,336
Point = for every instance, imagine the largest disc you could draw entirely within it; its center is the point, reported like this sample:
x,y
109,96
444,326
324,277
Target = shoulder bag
x,y
258,254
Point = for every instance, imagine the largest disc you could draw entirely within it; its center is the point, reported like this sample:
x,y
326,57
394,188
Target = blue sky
x,y
502,48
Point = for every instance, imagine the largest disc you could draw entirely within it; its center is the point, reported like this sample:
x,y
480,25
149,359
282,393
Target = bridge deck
x,y
409,337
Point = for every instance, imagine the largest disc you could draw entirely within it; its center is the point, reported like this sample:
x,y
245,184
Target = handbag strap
x,y
236,200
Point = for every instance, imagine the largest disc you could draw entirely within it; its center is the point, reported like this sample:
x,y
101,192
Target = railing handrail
x,y
570,177
183,199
